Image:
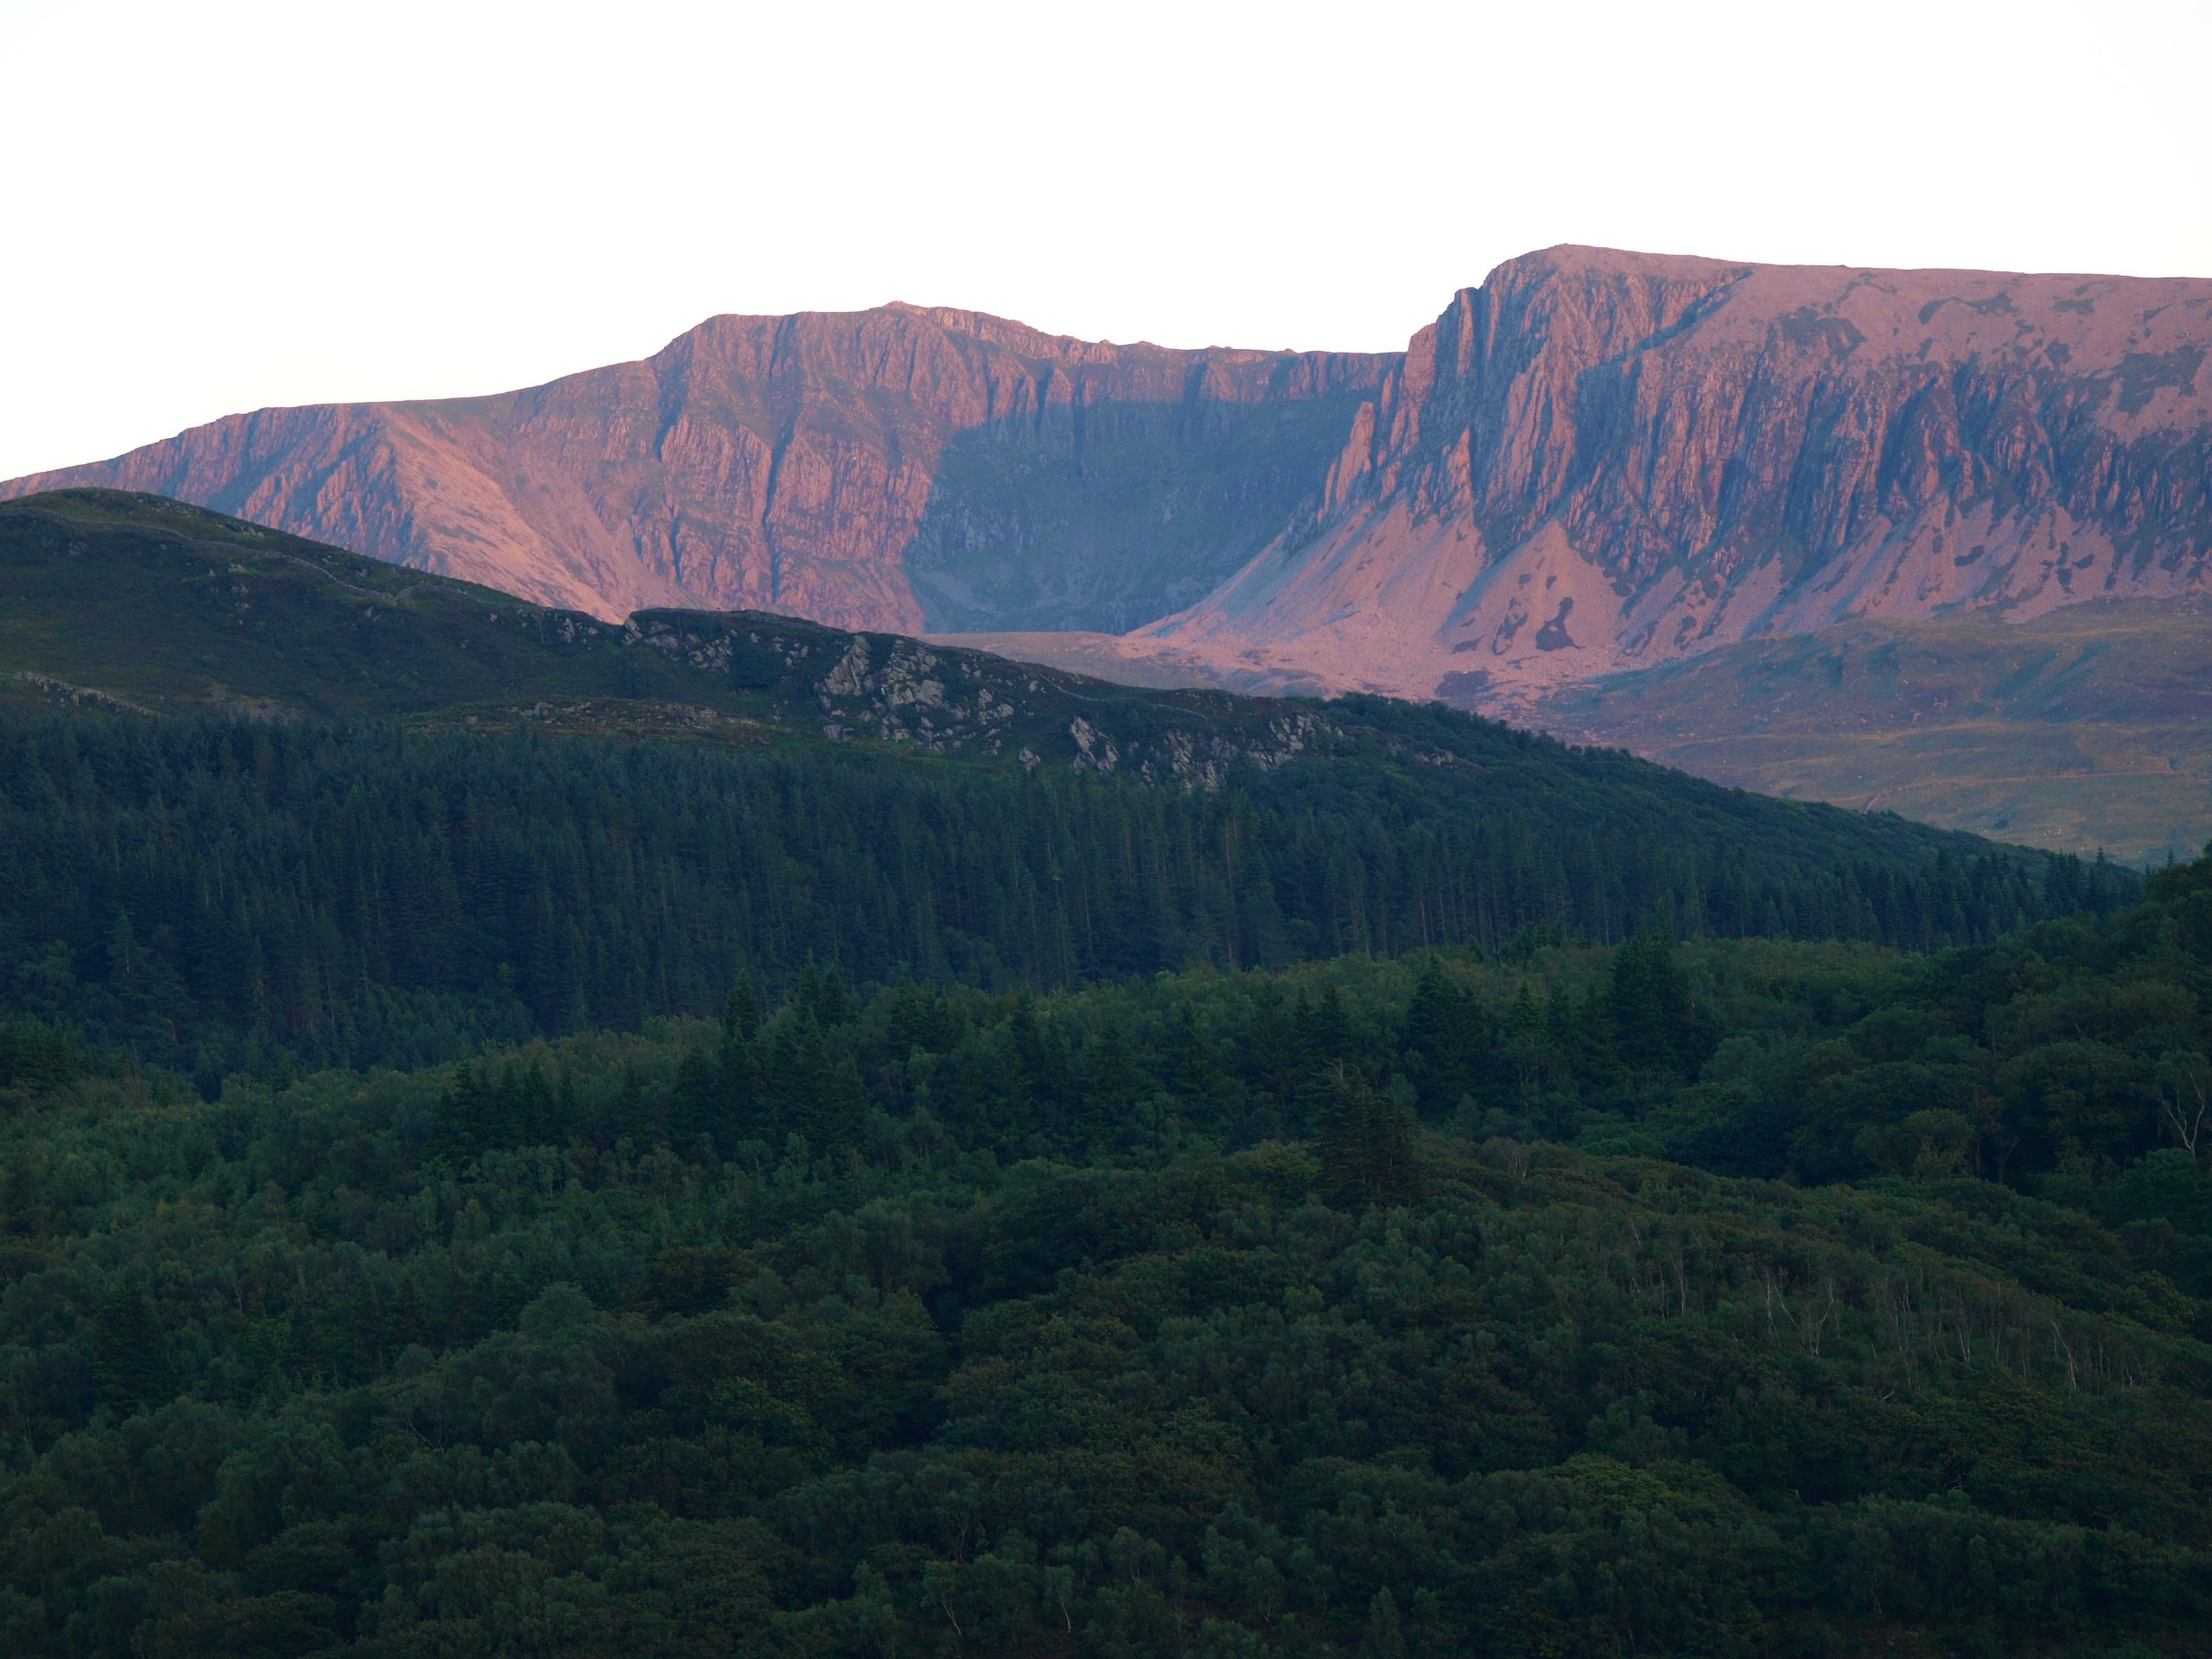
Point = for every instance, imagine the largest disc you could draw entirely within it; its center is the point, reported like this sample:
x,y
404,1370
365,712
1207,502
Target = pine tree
x,y
1187,1067
1528,1050
131,1358
1112,1081
1385,1637
1040,1057
1440,1038
822,994
692,1104
1367,1144
741,1010
1651,1014
465,1123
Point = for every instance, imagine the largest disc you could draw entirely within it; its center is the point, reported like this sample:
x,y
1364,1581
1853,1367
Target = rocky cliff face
x,y
1594,461
896,468
1598,461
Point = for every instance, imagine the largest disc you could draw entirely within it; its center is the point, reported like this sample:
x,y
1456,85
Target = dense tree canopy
x,y
951,1159
217,895
1714,1297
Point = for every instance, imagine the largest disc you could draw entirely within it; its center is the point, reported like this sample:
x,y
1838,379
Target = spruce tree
x,y
1651,1014
1367,1144
131,1358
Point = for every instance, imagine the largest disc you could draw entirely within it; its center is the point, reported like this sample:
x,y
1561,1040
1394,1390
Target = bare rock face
x,y
1595,461
895,468
1601,461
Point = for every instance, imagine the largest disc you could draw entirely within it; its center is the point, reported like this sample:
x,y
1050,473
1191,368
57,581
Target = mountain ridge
x,y
752,462
1595,460
1684,453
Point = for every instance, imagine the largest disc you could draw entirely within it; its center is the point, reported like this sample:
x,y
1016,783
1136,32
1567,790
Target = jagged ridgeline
x,y
266,801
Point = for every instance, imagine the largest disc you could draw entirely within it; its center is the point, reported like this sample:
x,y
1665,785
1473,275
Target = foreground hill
x,y
1595,460
267,801
2088,727
1375,1309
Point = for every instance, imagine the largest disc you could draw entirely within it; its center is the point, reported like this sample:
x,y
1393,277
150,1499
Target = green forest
x,y
1699,1296
272,805
528,1137
214,895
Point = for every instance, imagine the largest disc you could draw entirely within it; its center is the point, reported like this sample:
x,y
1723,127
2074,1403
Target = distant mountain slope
x,y
875,469
2090,727
1596,460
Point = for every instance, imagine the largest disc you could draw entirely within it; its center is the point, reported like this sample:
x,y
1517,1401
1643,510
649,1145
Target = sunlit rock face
x,y
897,468
1594,461
1600,460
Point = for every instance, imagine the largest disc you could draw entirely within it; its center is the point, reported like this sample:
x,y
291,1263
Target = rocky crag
x,y
897,468
1600,460
1594,461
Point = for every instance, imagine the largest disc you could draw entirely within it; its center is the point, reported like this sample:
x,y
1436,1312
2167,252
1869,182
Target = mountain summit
x,y
1596,460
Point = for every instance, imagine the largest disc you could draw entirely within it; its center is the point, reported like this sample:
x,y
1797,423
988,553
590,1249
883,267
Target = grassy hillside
x,y
2089,728
116,602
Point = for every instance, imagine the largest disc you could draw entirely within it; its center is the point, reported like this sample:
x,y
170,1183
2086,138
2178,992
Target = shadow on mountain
x,y
1107,517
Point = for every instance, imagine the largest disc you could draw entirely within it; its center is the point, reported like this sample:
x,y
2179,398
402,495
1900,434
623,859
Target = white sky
x,y
213,206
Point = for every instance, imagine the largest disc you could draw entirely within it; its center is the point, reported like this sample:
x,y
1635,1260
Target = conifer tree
x,y
741,1010
692,1106
1112,1081
1529,1051
1439,1035
1367,1147
1187,1067
130,1359
1650,1011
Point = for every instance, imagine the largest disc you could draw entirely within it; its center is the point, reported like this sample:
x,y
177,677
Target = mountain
x,y
894,468
1600,460
1596,463
1595,460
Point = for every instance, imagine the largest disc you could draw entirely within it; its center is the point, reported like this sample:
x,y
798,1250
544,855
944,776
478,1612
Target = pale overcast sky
x,y
214,206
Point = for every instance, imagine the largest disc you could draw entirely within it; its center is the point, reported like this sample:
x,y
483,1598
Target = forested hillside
x,y
523,1137
1737,1297
216,894
270,805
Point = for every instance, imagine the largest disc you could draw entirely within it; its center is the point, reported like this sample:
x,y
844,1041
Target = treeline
x,y
1370,1307
2053,1062
213,896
